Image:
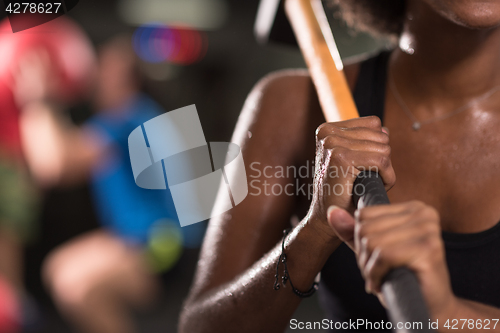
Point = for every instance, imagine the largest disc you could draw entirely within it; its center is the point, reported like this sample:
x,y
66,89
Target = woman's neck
x,y
440,64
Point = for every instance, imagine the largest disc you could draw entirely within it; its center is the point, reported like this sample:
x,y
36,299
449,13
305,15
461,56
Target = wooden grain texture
x,y
317,48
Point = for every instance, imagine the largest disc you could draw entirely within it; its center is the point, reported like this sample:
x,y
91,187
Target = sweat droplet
x,y
249,134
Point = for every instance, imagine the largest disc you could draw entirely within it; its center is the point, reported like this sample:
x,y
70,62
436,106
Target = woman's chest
x,y
453,166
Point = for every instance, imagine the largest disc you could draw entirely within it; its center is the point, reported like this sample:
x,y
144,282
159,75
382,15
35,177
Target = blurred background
x,y
219,63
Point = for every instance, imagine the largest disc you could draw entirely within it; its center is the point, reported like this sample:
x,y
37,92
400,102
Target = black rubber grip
x,y
369,190
405,303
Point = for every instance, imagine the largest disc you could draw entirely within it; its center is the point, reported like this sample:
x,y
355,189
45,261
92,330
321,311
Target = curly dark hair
x,y
377,17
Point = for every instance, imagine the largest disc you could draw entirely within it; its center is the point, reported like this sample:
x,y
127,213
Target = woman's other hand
x,y
402,235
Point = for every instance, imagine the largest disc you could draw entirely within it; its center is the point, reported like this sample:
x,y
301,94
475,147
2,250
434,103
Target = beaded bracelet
x,y
286,276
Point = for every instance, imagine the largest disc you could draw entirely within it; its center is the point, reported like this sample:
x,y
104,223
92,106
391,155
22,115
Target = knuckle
x,y
362,231
375,121
416,205
369,243
323,130
433,247
384,138
383,255
386,149
369,273
391,178
432,228
378,262
426,265
329,142
339,154
434,243
332,141
384,162
432,214
363,213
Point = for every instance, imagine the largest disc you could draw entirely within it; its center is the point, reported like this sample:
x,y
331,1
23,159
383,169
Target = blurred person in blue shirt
x,y
96,278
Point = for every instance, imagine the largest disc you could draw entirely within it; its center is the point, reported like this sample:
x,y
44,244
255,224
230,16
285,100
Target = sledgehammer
x,y
312,32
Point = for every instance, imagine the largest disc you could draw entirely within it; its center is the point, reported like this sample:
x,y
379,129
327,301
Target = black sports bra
x,y
473,259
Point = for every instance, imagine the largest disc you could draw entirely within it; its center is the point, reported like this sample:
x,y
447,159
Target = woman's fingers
x,y
348,163
406,208
384,259
372,122
392,234
398,235
331,142
354,133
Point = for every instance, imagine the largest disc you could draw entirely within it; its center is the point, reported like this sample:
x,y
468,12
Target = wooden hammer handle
x,y
310,25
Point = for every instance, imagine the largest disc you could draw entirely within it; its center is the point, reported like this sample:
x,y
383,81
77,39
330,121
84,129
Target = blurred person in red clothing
x,y
65,47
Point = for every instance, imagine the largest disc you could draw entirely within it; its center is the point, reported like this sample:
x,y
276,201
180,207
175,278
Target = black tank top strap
x,y
369,92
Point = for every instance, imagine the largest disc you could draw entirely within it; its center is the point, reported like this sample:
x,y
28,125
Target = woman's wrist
x,y
318,228
307,248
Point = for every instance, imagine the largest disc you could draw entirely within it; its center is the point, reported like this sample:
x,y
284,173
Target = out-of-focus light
x,y
164,246
199,14
160,71
156,43
10,314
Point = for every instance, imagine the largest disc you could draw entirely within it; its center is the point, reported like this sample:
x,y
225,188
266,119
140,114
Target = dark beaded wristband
x,y
286,276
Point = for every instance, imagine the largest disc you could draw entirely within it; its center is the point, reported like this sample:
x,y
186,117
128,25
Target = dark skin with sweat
x,y
444,172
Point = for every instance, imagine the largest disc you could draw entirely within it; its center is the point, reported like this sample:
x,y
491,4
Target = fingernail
x,y
385,130
331,209
367,288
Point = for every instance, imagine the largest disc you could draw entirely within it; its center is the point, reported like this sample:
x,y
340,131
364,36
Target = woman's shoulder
x,y
282,113
292,90
286,96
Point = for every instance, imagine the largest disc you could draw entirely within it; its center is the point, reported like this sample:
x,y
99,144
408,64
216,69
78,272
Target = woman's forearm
x,y
249,303
465,315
